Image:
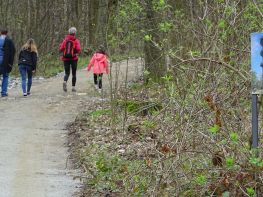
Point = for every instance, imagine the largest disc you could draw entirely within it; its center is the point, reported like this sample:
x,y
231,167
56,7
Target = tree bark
x,y
154,59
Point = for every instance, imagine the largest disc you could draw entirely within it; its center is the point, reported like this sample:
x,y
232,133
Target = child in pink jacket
x,y
100,65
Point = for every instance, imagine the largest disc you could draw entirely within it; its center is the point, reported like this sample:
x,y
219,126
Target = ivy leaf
x,y
162,3
256,161
148,37
201,179
222,24
234,137
214,129
250,191
123,13
230,162
165,26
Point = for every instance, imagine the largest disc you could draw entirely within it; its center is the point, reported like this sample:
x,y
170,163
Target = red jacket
x,y
63,45
99,62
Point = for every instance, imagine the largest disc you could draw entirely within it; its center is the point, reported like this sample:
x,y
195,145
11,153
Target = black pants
x,y
98,80
73,64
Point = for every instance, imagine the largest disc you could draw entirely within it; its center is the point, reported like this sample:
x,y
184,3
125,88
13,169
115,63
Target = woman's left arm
x,y
34,60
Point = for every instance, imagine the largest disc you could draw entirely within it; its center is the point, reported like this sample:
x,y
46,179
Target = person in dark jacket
x,y
7,54
71,49
27,63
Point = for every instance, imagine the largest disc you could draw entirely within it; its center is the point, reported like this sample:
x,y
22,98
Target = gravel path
x,y
33,151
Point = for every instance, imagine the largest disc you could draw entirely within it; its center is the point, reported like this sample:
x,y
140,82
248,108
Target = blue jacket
x,y
2,42
9,54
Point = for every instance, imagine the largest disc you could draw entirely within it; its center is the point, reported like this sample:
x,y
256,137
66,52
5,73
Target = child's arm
x,y
77,45
90,63
106,65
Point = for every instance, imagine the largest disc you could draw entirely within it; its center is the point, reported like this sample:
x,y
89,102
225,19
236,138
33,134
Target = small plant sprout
x,y
214,129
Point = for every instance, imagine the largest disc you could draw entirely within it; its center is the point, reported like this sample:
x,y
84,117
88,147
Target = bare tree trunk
x,y
154,59
102,20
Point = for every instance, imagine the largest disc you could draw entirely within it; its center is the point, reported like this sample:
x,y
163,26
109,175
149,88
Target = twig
x,y
254,1
217,62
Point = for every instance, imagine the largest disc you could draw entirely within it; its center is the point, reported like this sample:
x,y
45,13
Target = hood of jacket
x,y
70,37
99,57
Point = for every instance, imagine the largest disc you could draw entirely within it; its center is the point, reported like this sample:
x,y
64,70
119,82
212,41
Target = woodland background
x,y
164,31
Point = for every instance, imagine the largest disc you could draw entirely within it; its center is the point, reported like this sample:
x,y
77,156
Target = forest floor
x,y
33,146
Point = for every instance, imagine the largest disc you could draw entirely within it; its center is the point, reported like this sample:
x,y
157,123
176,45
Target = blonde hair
x,y
30,45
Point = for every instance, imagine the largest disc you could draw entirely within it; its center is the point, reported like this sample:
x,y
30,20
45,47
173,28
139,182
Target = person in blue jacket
x,y
7,54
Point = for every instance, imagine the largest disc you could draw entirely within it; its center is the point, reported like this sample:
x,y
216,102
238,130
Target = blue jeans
x,y
26,72
4,84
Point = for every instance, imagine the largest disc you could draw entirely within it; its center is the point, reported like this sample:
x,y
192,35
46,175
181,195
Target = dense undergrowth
x,y
189,136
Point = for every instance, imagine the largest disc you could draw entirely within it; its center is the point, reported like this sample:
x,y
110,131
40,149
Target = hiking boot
x,y
65,86
74,89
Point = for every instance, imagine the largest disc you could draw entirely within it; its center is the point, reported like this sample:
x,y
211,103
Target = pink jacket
x,y
99,62
63,45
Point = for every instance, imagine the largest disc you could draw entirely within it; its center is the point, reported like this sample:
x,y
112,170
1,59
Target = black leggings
x,y
73,64
98,78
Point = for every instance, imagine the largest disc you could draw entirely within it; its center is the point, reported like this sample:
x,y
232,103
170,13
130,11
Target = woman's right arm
x,y
62,46
19,56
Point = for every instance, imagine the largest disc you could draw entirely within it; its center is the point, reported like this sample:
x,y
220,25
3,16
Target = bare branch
x,y
217,62
254,1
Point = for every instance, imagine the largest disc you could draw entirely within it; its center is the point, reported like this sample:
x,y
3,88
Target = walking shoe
x,y
28,93
73,89
4,95
65,86
24,94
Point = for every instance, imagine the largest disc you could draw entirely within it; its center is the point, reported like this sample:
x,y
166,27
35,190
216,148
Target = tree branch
x,y
217,62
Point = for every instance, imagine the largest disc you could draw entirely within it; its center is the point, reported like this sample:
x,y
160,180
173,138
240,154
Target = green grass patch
x,y
49,66
140,107
100,112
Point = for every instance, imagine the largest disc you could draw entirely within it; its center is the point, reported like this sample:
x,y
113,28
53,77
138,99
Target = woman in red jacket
x,y
71,49
100,65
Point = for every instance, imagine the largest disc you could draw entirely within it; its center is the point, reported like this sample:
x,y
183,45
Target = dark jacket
x,y
9,54
28,58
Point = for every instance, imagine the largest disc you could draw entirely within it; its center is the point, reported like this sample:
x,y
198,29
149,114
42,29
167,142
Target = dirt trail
x,y
33,138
